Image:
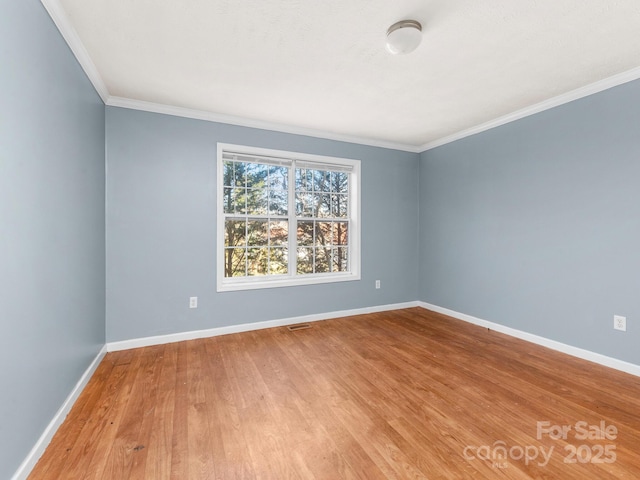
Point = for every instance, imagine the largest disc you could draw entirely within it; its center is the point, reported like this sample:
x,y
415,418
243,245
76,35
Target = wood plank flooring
x,y
394,395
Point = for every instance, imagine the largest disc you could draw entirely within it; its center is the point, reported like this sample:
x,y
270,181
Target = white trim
x,y
246,327
610,362
38,449
252,123
576,94
60,18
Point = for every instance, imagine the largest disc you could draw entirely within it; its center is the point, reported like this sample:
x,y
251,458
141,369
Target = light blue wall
x,y
161,220
51,226
536,224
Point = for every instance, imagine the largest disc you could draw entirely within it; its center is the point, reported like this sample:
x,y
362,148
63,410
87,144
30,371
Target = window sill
x,y
254,284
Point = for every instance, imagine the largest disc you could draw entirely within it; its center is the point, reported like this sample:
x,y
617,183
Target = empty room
x,y
319,240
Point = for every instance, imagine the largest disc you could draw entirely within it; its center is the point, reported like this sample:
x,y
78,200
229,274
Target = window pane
x,y
228,199
257,261
278,202
305,260
304,180
324,208
234,200
227,174
340,259
340,233
278,261
257,201
257,233
239,174
278,178
278,233
234,262
323,260
339,206
234,233
256,175
239,199
321,181
323,233
340,182
306,204
305,233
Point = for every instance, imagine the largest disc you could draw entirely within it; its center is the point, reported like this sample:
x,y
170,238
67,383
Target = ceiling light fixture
x,y
404,37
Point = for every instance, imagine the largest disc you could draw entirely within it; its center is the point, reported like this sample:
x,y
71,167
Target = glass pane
x,y
257,233
304,180
305,233
228,199
339,205
278,178
323,233
257,261
305,260
323,260
340,233
324,209
234,262
234,200
257,201
239,199
257,175
340,182
278,202
339,258
234,233
227,174
299,176
278,261
305,204
239,169
278,233
321,181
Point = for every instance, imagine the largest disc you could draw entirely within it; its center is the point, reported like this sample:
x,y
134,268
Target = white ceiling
x,y
321,66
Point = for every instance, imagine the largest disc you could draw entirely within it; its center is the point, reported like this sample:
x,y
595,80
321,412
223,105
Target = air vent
x,y
300,326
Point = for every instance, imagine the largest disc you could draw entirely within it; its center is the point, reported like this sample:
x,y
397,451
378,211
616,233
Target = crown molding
x,y
576,94
60,18
252,123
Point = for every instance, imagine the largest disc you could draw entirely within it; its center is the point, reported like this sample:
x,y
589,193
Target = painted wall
x,y
52,274
536,224
161,220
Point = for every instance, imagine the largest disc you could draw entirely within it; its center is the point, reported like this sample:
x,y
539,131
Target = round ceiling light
x,y
404,37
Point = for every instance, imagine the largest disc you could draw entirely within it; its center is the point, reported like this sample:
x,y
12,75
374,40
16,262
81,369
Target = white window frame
x,y
225,284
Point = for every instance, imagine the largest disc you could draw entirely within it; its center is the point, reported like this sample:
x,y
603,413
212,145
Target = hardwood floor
x,y
403,394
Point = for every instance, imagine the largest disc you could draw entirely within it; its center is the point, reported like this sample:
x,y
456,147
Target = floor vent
x,y
300,326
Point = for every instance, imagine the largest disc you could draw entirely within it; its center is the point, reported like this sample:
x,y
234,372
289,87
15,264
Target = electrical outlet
x,y
620,323
193,302
377,283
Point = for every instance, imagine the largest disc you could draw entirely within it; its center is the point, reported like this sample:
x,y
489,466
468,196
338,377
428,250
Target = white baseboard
x,y
38,449
245,327
545,342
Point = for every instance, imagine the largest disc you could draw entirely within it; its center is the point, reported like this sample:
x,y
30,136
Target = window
x,y
286,218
